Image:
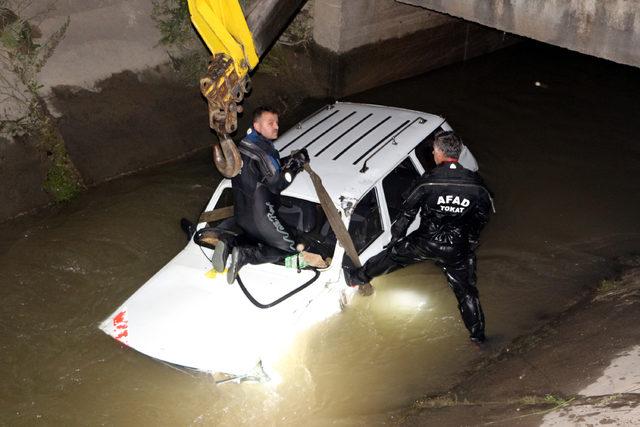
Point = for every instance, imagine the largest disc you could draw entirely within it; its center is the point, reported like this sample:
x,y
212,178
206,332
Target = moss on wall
x,y
23,53
62,182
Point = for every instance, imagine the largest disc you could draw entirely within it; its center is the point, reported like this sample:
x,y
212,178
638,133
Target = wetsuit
x,y
454,206
256,192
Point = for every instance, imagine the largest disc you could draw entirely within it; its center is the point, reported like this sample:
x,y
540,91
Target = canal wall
x,y
114,101
372,42
119,107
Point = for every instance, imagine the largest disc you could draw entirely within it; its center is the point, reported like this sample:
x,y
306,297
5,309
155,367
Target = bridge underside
x,y
607,29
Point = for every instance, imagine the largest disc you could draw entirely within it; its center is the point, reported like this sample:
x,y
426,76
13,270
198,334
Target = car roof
x,y
352,146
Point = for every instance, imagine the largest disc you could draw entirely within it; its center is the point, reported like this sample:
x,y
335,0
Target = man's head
x,y
265,121
446,145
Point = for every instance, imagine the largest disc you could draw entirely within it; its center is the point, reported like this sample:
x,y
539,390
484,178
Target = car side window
x,y
399,181
366,223
424,151
226,198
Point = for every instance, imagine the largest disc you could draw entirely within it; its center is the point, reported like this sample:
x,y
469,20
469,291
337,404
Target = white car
x,y
187,315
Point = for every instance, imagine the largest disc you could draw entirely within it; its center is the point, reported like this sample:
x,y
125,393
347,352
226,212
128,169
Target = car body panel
x,y
188,315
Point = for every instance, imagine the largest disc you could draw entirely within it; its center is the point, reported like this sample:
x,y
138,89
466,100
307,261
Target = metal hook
x,y
226,157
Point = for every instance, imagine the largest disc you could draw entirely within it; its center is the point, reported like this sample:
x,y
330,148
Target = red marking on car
x,y
120,317
121,327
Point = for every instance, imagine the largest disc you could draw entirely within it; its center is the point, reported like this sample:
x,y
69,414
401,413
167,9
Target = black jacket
x,y
454,206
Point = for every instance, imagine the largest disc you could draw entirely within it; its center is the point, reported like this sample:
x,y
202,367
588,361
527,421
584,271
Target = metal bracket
x,y
347,204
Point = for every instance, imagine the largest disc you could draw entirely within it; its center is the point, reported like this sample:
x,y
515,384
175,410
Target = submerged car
x,y
188,315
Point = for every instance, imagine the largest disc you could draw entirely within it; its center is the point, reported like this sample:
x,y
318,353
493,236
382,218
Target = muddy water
x,y
561,155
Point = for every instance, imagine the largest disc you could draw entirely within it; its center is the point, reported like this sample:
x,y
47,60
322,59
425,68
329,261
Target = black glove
x,y
294,162
301,155
392,242
293,165
399,228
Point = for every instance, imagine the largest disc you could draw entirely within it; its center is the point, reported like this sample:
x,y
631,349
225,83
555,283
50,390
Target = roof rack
x,y
338,123
348,147
312,127
404,126
343,133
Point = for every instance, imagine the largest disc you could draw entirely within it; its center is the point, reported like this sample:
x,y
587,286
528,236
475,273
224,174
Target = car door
x,y
372,218
366,225
396,186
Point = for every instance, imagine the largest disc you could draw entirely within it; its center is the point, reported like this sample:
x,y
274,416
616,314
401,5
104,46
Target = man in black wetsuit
x,y
256,193
454,206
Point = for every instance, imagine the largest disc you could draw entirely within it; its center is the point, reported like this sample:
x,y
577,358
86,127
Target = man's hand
x,y
296,161
301,155
392,242
399,228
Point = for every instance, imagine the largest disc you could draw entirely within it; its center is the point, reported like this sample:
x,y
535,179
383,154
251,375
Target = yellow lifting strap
x,y
222,26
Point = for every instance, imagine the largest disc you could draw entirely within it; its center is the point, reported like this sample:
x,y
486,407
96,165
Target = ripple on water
x,y
563,211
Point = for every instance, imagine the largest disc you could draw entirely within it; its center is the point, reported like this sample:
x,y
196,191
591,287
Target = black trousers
x,y
458,265
267,238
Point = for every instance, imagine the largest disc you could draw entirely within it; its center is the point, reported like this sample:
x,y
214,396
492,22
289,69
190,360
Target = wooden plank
x,y
216,214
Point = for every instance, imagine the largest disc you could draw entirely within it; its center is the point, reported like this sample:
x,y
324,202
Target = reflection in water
x,y
561,156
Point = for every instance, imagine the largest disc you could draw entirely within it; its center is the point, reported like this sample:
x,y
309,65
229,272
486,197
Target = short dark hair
x,y
259,111
449,143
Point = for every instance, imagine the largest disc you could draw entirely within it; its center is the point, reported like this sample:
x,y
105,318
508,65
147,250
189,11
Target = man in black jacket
x,y
454,206
256,193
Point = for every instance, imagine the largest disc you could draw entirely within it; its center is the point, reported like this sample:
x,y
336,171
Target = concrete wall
x,y
343,25
372,42
22,172
116,109
104,37
607,29
118,112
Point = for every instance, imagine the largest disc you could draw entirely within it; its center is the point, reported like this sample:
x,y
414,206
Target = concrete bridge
x,y
607,29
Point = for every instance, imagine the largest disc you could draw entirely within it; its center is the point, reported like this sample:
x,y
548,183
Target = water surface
x,y
556,136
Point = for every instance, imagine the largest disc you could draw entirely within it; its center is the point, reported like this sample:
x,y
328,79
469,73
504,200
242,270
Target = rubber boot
x,y
238,260
188,227
220,255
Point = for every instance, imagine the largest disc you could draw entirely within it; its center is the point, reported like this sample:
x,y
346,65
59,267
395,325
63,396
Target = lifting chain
x,y
224,91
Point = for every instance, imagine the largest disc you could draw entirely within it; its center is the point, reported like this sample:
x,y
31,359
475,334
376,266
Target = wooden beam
x,y
216,214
